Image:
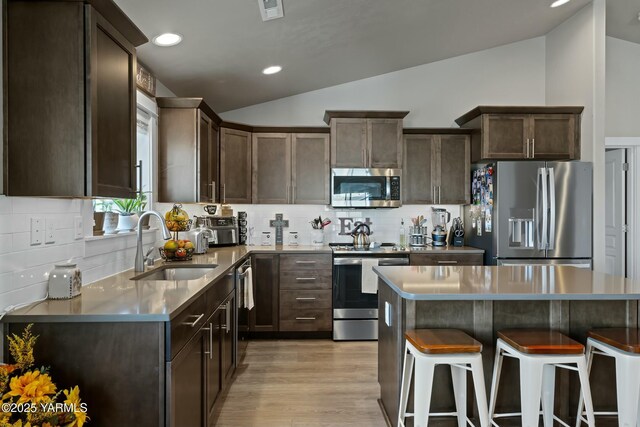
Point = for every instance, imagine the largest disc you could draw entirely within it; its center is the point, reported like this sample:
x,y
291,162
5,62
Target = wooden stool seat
x,y
625,339
540,341
442,341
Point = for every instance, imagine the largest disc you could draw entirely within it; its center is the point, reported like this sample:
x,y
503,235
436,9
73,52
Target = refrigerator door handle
x,y
542,231
552,209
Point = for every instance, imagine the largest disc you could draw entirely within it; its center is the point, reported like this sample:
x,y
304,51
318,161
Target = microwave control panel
x,y
395,188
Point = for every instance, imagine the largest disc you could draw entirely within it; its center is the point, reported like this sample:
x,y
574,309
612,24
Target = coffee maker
x,y
439,218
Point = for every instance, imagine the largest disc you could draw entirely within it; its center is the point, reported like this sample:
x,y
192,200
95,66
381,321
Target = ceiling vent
x,y
271,9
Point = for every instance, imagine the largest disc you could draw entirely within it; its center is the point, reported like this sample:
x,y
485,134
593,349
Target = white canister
x,y
65,281
317,237
293,238
267,239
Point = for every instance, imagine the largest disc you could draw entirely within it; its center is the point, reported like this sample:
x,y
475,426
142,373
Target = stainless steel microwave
x,y
365,188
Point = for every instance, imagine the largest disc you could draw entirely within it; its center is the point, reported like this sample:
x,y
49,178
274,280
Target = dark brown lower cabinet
x,y
264,315
212,356
446,259
186,378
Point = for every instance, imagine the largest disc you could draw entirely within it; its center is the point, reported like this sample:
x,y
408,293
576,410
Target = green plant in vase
x,y
127,210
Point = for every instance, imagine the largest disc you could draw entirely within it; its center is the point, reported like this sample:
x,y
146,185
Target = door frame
x,y
632,145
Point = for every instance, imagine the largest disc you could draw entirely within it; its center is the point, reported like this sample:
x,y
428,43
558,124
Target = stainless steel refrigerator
x,y
532,213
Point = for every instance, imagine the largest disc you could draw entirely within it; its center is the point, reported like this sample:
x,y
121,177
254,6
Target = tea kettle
x,y
361,236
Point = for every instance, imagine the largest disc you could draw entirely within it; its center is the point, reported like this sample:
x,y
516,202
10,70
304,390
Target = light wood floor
x,y
305,383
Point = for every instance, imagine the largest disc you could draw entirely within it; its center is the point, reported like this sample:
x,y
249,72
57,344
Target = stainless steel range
x,y
355,313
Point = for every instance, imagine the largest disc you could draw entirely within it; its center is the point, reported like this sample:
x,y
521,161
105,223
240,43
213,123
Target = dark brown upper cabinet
x,y
71,99
290,168
515,133
235,165
188,149
366,139
437,166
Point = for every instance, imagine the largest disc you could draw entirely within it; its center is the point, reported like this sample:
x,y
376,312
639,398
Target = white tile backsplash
x,y
24,268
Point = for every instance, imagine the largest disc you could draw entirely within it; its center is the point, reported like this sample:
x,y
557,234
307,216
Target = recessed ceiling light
x,y
272,70
559,3
167,39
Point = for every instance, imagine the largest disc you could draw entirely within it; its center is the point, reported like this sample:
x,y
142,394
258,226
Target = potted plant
x,y
127,217
142,204
105,220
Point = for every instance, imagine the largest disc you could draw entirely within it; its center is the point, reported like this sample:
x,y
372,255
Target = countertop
x,y
430,250
506,283
117,298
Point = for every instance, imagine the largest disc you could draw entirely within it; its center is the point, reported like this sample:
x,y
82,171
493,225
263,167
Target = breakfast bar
x,y
481,300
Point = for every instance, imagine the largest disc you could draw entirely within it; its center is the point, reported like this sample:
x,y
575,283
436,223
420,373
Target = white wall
x,y
623,88
435,93
575,75
162,90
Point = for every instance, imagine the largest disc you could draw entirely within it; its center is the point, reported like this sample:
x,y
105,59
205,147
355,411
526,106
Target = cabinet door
x,y
235,166
504,136
205,180
228,334
214,163
419,169
111,171
454,181
348,143
264,315
213,357
553,136
271,168
446,259
310,168
186,386
384,143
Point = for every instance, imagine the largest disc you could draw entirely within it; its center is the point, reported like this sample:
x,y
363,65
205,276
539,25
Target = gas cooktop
x,y
384,248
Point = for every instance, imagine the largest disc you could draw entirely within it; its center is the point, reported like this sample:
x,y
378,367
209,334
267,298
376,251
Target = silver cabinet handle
x,y
293,190
527,155
224,193
305,262
193,324
306,278
305,318
305,299
439,198
227,317
210,329
433,194
213,191
139,167
447,262
533,148
288,194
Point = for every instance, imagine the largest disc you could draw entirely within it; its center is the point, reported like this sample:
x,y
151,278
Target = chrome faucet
x,y
166,235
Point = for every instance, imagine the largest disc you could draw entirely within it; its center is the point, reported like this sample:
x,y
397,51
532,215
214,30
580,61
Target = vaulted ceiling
x,y
321,43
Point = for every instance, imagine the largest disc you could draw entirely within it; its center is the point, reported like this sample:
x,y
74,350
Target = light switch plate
x,y
387,313
37,231
77,227
49,231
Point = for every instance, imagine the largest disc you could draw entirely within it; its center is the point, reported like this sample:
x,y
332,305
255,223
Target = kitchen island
x,y
483,300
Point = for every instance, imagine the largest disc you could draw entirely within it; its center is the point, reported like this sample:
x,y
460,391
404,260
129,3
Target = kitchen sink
x,y
187,272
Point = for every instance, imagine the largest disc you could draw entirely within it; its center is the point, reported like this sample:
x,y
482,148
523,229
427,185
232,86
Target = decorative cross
x,y
279,223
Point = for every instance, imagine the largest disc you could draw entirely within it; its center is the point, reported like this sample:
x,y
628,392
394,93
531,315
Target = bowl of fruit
x,y
177,250
177,219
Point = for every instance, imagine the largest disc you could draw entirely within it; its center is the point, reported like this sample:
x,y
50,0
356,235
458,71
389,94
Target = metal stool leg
x,y
495,380
480,390
585,390
628,390
589,356
548,393
422,391
530,392
407,372
459,379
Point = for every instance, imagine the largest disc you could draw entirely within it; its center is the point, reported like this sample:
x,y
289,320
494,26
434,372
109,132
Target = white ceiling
x,y
322,43
622,19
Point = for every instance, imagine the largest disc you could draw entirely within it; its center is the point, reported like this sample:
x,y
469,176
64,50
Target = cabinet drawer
x,y
305,319
305,262
305,299
306,279
446,259
186,324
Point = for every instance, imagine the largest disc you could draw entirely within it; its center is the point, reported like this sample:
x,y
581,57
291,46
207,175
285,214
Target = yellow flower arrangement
x,y
29,397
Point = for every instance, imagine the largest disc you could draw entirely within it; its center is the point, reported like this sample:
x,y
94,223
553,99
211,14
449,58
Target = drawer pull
x,y
193,324
305,262
305,318
306,278
306,299
447,262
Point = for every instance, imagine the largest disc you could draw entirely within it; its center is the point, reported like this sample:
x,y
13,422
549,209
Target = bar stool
x,y
623,344
428,348
539,353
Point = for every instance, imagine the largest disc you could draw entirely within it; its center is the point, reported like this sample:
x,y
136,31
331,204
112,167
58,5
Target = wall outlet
x,y
78,233
49,231
37,231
